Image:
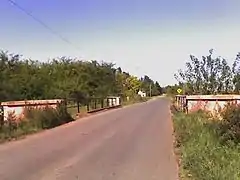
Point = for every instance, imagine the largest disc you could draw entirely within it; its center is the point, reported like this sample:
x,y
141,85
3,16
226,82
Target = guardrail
x,y
92,105
111,102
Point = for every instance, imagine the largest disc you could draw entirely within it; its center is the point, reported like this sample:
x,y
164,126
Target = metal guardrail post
x,y
102,101
95,104
88,106
78,106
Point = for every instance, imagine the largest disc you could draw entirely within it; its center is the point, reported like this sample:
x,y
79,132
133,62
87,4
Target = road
x,y
132,143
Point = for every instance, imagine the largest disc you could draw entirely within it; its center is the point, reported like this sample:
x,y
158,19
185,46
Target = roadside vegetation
x,y
136,99
35,120
208,148
65,77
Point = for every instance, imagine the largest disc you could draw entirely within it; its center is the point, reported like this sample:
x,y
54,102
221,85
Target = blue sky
x,y
143,37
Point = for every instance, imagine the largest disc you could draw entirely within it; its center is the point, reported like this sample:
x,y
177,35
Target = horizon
x,y
145,38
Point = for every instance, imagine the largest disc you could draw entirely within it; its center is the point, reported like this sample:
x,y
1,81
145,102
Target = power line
x,y
42,23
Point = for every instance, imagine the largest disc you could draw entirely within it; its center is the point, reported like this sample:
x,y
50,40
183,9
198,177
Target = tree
x,y
236,74
157,90
171,89
206,75
63,77
146,83
133,85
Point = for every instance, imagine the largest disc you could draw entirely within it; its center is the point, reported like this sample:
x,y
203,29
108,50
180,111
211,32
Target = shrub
x,y
35,120
135,99
48,117
230,124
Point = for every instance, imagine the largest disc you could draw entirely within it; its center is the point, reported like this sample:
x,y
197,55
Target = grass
x,y
35,120
135,100
203,156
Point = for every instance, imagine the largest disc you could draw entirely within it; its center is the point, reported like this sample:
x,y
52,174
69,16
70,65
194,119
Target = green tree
x,y
156,90
236,74
206,76
63,77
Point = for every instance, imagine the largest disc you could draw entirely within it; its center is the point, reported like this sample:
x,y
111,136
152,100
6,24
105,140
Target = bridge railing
x,y
213,104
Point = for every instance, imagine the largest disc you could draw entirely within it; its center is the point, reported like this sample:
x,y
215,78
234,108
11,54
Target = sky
x,y
153,37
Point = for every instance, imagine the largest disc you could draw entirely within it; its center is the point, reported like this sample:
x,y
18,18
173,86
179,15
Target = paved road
x,y
133,143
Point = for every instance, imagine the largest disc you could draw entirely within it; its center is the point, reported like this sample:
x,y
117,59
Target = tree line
x,y
24,79
209,75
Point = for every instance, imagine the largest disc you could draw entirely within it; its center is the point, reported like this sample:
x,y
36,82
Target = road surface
x,y
132,143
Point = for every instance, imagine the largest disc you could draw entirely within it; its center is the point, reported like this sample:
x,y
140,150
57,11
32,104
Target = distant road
x,y
132,143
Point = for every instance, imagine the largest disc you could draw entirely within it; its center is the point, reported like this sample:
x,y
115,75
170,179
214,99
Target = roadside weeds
x,y
201,153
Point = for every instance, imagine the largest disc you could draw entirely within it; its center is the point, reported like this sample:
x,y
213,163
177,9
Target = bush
x,y
135,99
35,120
230,124
48,117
